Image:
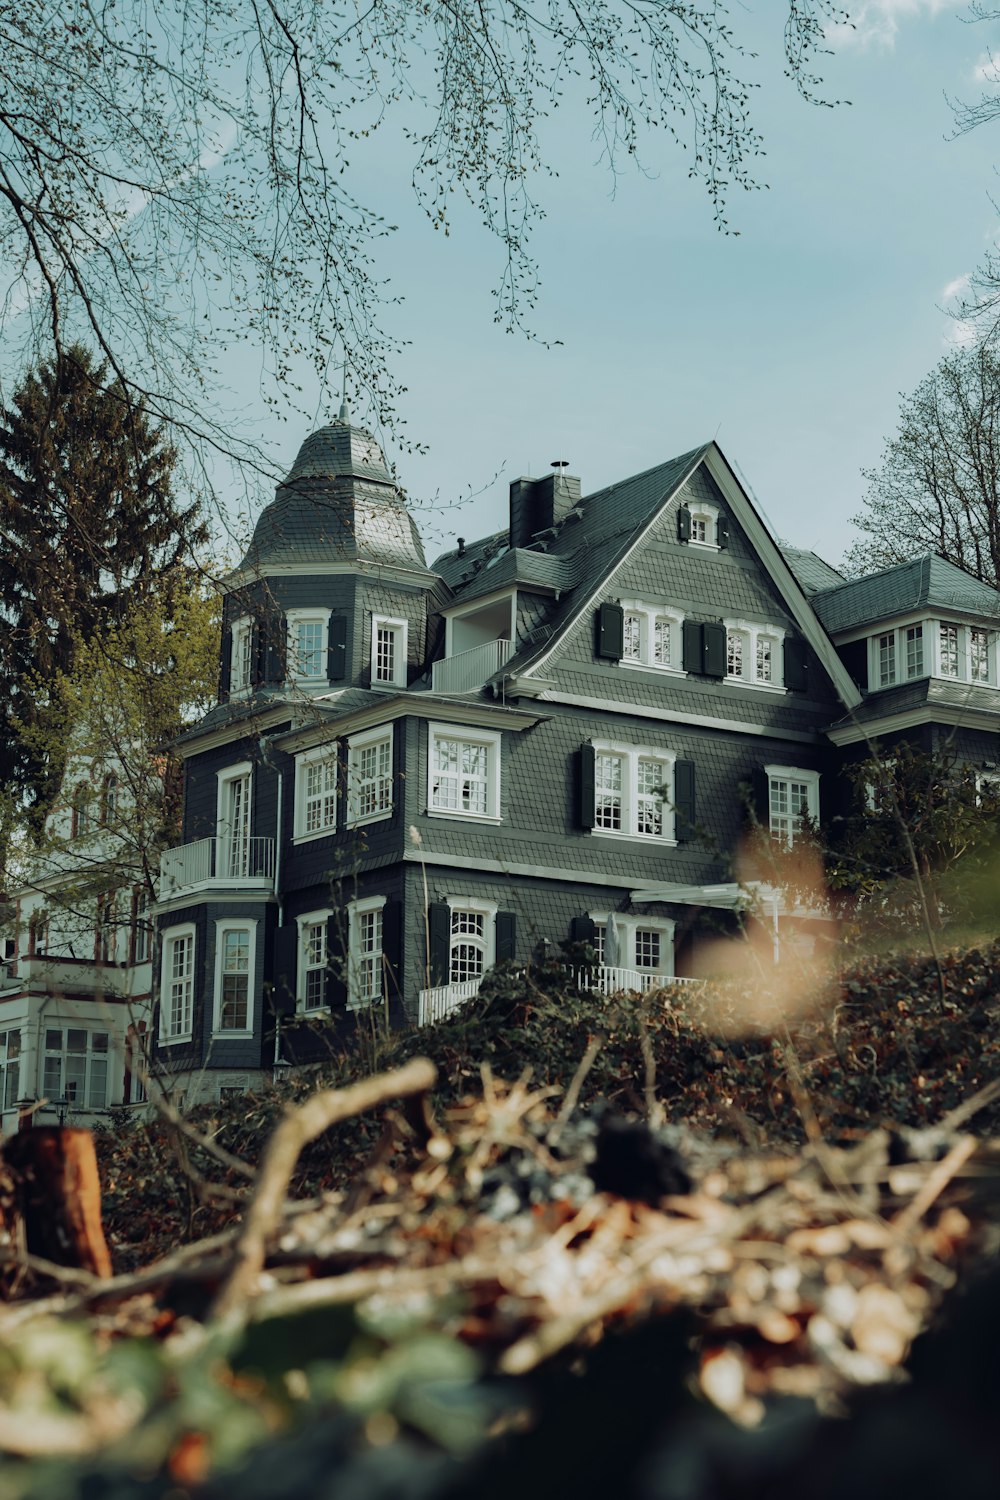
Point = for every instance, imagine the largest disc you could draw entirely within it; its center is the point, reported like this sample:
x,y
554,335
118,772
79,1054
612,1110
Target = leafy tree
x,y
88,524
921,842
177,174
938,487
107,721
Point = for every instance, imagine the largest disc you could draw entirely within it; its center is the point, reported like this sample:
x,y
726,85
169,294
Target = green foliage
x,y
88,525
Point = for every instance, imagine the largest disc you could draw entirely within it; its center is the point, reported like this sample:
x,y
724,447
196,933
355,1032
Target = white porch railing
x,y
443,1000
244,861
469,669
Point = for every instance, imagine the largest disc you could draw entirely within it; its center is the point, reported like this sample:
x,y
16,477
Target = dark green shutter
x,y
796,664
583,930
761,798
392,948
275,646
693,654
506,935
722,531
284,968
336,960
336,663
683,524
587,786
684,810
714,642
439,934
610,638
226,665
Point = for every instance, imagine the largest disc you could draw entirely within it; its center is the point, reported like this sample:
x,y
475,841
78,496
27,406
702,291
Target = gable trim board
x,y
461,711
671,716
794,599
567,877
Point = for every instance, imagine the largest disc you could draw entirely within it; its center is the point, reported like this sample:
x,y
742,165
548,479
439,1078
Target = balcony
x,y
444,999
211,863
45,974
468,670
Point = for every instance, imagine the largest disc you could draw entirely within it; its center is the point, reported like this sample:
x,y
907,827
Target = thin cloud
x,y
956,288
875,23
960,334
985,69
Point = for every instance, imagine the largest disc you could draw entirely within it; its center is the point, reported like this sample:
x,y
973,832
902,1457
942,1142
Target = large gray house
x,y
414,772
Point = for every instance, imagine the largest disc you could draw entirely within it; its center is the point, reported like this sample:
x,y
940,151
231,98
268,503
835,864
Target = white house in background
x,y
76,973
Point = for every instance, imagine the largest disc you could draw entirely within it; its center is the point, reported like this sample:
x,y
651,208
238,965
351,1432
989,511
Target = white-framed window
x,y
389,646
364,952
241,655
885,658
235,949
308,640
645,944
75,1067
633,791
177,983
313,959
948,650
793,798
81,811
652,636
140,926
754,654
369,776
704,524
316,792
980,642
10,1067
913,646
233,852
463,772
472,938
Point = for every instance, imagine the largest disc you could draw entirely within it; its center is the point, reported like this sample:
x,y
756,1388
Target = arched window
x,y
81,810
109,799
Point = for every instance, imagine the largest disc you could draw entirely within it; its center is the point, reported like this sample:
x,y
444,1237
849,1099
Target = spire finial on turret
x,y
345,413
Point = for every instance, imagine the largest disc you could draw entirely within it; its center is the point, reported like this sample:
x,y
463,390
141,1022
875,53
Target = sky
x,y
790,342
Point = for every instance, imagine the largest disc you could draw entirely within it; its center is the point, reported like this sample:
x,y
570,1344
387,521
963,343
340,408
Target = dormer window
x,y
307,645
979,655
948,651
388,652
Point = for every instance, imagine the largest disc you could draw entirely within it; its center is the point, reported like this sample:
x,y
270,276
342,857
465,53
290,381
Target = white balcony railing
x,y
468,670
243,861
444,999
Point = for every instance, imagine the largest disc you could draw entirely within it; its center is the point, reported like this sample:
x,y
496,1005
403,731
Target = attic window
x,y
700,524
652,636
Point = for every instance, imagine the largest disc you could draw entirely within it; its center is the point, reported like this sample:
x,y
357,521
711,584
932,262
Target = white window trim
x,y
648,615
628,925
752,631
630,798
240,924
242,630
355,910
487,909
489,738
356,743
309,919
169,936
704,510
400,629
294,617
794,773
223,779
930,654
310,758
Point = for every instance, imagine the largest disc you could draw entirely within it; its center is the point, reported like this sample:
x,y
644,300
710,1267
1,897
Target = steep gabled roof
x,y
921,582
812,572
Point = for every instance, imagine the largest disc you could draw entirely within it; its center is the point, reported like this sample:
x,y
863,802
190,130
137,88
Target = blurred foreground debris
x,y
793,1273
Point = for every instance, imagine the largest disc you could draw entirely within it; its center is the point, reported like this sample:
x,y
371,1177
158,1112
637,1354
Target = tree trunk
x,y
58,1196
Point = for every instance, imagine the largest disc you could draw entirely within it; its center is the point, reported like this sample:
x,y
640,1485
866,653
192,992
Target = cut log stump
x,y
57,1196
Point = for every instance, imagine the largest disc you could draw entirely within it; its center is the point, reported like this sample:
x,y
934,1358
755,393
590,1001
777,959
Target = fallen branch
x,y
300,1126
